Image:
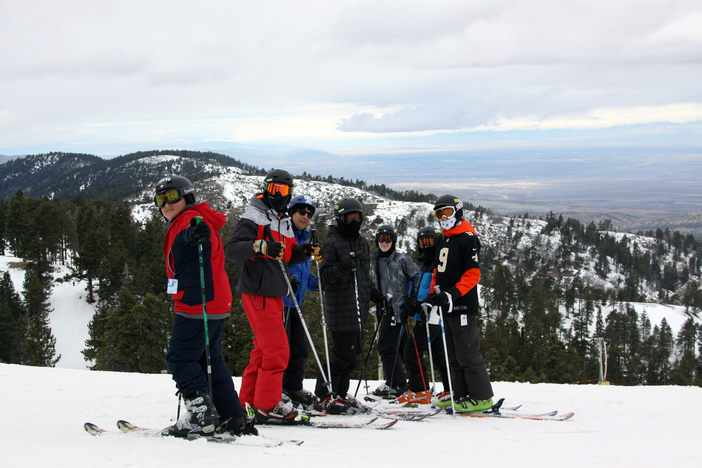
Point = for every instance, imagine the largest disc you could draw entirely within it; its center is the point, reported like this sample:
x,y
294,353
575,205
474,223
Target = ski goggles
x,y
282,189
302,211
171,195
354,216
425,242
384,239
444,212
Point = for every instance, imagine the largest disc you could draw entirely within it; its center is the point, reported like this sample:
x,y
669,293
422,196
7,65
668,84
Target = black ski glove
x,y
440,299
198,231
294,283
348,263
377,296
314,251
409,307
270,249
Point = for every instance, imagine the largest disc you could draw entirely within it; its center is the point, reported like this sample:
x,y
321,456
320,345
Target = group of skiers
x,y
276,249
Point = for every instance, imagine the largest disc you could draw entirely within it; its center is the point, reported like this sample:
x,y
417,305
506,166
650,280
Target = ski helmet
x,y
427,237
299,201
386,230
173,188
347,206
277,189
349,216
448,209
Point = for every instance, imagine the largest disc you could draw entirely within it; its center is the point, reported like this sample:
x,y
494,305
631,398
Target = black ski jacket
x,y
340,305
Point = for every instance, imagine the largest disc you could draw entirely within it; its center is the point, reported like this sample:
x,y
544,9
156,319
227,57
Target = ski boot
x,y
200,417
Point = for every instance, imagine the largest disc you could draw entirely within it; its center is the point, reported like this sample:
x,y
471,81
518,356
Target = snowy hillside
x,y
71,313
613,427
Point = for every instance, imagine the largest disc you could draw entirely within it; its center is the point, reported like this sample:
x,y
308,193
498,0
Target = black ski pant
x,y
391,340
346,348
437,353
187,363
299,350
469,375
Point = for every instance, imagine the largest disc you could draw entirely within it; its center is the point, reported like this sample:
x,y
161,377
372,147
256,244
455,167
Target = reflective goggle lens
x,y
444,212
169,196
351,217
425,242
274,188
302,211
385,238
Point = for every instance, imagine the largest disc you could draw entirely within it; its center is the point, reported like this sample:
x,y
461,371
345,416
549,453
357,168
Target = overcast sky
x,y
110,77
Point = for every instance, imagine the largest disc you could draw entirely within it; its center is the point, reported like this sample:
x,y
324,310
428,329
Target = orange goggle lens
x,y
274,188
169,196
444,212
425,242
385,238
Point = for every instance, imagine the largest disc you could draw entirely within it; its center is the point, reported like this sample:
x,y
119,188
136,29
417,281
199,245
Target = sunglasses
x,y
347,218
302,211
425,242
444,212
384,239
169,196
274,188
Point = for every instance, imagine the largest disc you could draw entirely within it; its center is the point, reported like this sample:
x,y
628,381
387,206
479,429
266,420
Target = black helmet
x,y
278,176
277,189
347,205
173,188
427,233
349,217
450,201
386,229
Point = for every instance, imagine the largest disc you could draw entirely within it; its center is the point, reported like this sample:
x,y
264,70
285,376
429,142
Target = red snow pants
x,y
262,382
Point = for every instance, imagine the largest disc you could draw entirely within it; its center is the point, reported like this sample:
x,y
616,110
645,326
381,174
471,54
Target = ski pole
x,y
358,303
419,360
397,351
269,234
198,219
448,365
313,233
370,349
431,357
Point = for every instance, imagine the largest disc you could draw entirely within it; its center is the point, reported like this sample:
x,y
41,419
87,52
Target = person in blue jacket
x,y
301,211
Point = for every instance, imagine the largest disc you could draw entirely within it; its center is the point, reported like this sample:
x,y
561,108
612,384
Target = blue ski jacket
x,y
308,282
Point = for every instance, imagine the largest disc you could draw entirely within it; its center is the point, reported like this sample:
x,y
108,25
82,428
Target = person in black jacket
x,y
345,278
455,291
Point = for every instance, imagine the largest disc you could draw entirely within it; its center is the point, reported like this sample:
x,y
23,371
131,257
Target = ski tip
x,y
92,429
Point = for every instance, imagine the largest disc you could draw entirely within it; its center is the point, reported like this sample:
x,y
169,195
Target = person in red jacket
x,y
264,241
186,355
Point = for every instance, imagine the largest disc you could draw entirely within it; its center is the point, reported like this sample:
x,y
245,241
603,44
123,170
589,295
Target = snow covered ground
x,y
613,427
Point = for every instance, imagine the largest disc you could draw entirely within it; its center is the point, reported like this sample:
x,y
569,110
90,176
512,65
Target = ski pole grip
x,y
313,235
197,219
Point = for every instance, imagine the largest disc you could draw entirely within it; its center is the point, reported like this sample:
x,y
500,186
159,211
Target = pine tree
x,y
11,316
39,347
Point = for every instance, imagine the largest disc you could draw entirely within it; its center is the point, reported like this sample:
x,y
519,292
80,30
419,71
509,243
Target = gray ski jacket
x,y
399,271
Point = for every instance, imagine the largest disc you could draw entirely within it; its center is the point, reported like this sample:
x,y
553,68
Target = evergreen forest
x,y
538,324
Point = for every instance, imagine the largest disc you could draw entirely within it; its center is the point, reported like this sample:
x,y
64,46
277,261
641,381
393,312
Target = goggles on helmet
x,y
384,239
282,189
425,242
172,195
348,218
444,212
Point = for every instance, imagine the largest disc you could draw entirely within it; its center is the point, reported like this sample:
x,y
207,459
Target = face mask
x,y
448,223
